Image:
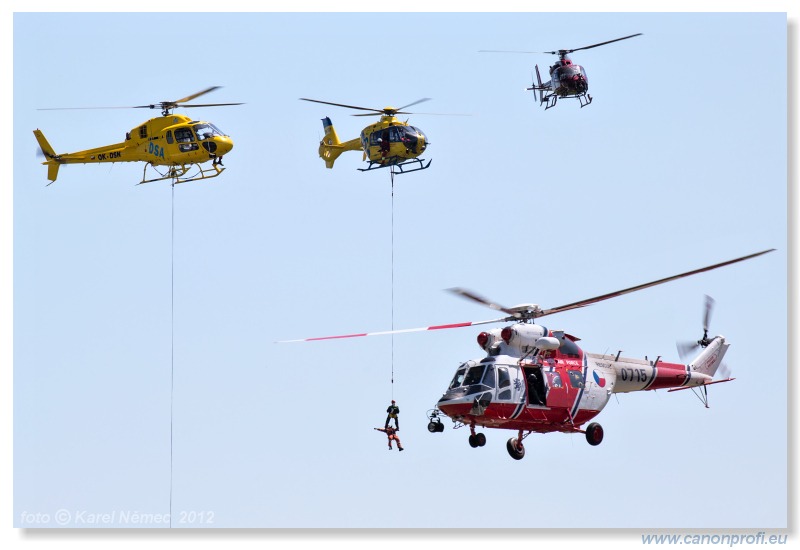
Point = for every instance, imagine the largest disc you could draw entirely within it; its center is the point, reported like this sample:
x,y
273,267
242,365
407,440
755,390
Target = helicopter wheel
x,y
480,439
433,427
473,441
594,434
439,427
515,448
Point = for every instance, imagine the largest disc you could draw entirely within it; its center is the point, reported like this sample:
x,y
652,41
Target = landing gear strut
x,y
476,439
594,434
515,448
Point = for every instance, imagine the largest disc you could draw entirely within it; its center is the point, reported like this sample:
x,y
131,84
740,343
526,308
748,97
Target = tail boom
x,y
108,153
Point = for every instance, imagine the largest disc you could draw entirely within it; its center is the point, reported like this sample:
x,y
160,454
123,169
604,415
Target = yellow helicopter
x,y
176,142
386,143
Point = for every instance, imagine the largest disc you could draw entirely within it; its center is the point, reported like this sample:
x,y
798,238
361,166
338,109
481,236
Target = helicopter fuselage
x,y
555,386
166,140
389,140
568,79
173,140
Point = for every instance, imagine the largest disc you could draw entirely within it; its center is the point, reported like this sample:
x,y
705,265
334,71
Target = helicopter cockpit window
x,y
503,380
184,135
457,379
207,131
474,375
488,377
390,134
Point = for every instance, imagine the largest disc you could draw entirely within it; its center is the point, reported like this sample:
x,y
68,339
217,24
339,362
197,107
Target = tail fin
x,y
330,147
50,154
541,91
710,358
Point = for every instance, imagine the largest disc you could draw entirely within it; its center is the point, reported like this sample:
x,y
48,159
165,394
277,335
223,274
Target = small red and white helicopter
x,y
566,78
537,380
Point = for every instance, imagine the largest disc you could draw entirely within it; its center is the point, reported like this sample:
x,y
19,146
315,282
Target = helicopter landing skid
x,y
178,173
396,162
551,100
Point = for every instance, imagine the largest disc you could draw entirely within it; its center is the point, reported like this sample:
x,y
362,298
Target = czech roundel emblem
x,y
599,380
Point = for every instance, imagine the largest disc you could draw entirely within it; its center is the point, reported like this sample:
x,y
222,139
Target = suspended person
x,y
384,139
391,434
391,413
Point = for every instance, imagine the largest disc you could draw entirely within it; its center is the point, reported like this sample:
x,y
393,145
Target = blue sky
x,y
680,162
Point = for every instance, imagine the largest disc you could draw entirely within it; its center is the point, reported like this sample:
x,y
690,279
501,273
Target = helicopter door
x,y
505,391
537,393
560,390
185,138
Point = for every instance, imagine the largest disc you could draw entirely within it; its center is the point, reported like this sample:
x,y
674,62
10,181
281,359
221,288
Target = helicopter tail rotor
x,y
329,146
688,348
539,84
533,87
49,153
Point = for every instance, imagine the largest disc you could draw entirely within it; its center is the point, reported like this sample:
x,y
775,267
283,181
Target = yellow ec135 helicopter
x,y
386,143
175,142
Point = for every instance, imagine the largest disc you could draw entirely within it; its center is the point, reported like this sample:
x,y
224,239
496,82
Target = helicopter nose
x,y
224,145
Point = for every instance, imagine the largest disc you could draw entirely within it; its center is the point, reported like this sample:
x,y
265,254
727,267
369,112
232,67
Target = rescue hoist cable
x,y
391,176
172,348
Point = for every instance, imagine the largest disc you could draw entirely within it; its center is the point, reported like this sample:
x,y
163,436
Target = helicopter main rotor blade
x,y
424,99
595,45
390,112
439,114
400,331
208,105
74,108
198,94
463,292
343,105
516,314
160,105
610,295
407,113
506,51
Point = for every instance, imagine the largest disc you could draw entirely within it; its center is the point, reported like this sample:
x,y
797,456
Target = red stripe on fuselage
x,y
669,375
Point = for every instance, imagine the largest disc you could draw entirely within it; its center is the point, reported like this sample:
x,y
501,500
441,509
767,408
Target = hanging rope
x,y
172,348
391,175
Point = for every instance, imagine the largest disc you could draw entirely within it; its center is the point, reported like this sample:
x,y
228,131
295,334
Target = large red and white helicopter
x,y
537,380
